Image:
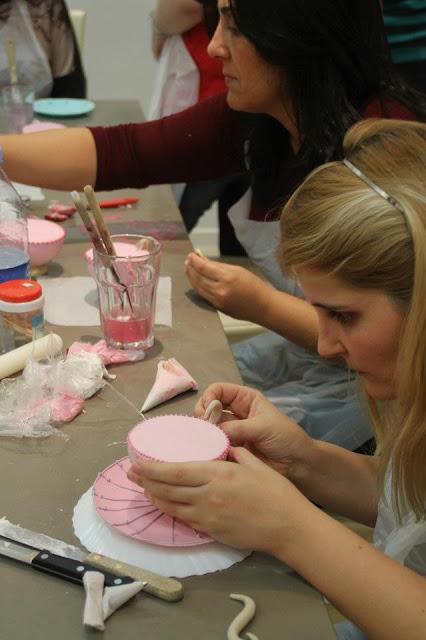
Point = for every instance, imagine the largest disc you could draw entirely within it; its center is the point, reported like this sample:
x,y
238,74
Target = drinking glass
x,y
17,107
127,288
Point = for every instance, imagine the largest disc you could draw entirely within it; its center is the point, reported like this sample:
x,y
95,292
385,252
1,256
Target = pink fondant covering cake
x,y
177,439
124,506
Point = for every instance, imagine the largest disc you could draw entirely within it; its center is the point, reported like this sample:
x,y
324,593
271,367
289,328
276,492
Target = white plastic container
x,y
21,313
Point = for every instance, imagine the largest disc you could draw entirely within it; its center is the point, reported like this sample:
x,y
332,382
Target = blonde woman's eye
x,y
342,317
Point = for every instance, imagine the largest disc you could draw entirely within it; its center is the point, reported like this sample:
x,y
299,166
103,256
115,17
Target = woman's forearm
x,y
171,17
339,480
386,600
64,159
291,317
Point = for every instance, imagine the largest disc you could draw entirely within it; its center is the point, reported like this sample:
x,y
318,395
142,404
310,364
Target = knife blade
x,y
48,562
162,587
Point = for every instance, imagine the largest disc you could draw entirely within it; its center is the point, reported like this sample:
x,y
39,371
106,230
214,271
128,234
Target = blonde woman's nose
x,y
329,344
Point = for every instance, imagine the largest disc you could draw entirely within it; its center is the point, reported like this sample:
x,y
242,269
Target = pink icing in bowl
x,y
177,439
123,249
45,239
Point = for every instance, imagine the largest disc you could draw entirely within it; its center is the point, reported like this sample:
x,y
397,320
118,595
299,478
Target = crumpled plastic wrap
x,y
52,391
108,355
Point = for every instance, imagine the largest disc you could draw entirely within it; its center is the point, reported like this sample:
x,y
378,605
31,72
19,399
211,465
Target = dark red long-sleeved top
x,y
201,143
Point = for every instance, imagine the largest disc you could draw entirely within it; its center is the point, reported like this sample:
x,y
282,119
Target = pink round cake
x,y
177,439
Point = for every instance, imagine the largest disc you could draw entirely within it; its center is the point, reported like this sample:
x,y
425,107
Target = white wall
x,y
117,55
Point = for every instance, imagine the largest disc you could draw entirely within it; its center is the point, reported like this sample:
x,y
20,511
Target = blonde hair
x,y
337,224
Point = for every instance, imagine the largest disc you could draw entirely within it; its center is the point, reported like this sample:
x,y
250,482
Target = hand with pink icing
x,y
244,503
250,420
229,288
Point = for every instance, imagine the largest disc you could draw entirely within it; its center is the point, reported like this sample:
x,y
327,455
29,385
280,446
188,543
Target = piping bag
x,y
101,603
171,380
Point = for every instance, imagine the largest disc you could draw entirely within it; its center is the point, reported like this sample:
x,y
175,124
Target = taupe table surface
x,y
42,480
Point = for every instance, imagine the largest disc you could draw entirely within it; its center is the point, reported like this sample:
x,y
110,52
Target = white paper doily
x,y
98,537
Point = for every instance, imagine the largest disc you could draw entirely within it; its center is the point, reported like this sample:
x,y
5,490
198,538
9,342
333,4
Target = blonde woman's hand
x,y
229,288
252,421
244,503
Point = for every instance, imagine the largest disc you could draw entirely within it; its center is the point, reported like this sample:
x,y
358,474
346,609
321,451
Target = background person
x,y
187,75
354,235
47,54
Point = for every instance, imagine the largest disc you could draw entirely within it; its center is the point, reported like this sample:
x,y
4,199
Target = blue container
x,y
14,259
14,264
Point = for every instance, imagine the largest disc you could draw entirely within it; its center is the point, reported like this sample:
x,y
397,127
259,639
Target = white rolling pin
x,y
15,360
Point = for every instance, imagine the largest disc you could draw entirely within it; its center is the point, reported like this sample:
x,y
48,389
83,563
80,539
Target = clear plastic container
x,y
14,258
21,313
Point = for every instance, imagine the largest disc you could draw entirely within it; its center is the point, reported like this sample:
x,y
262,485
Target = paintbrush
x,y
11,57
99,219
90,228
99,235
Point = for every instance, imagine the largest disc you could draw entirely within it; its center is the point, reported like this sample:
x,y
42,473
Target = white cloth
x,y
316,393
405,542
177,86
32,64
177,82
260,240
74,301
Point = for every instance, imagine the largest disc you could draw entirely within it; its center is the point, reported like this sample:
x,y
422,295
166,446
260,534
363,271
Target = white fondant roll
x,y
16,360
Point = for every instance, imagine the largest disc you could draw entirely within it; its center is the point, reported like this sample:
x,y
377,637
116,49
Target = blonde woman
x,y
354,236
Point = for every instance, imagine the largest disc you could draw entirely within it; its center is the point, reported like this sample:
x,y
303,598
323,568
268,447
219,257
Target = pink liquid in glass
x,y
125,330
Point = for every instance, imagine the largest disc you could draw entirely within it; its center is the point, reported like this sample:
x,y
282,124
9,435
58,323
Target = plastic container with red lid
x,y
21,313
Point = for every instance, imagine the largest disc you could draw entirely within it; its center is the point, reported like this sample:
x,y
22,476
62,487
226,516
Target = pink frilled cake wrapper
x,y
117,519
171,380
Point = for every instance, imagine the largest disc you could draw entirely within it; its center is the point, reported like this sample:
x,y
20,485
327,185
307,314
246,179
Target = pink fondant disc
x,y
177,439
123,505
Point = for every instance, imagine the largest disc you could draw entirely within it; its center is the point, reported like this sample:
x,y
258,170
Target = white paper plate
x,y
98,537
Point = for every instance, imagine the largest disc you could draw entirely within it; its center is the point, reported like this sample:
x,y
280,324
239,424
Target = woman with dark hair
x,y
47,54
303,71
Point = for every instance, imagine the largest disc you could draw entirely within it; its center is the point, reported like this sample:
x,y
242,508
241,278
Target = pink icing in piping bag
x,y
171,380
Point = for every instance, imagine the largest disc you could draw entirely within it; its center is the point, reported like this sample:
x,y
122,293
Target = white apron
x,y
177,86
260,240
314,392
32,64
405,543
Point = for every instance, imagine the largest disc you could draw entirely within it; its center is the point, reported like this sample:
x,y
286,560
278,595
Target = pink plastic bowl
x,y
35,127
45,239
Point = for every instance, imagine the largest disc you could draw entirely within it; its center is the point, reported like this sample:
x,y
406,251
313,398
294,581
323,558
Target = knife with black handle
x,y
65,568
168,589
